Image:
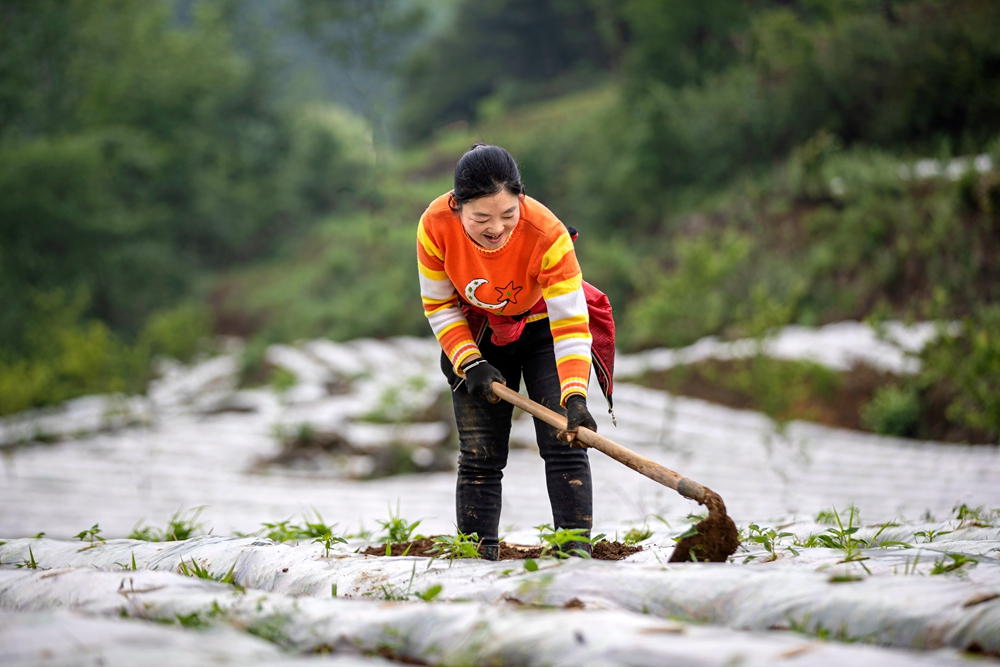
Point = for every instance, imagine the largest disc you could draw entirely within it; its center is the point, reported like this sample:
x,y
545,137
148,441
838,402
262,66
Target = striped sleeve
x,y
441,302
562,288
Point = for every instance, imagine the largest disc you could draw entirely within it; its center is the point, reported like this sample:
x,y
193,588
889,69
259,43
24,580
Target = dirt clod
x,y
716,540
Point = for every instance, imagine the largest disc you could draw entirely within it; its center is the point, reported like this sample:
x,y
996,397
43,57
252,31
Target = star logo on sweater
x,y
509,292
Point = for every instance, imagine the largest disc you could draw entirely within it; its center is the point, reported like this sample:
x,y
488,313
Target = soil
x,y
838,404
603,550
716,539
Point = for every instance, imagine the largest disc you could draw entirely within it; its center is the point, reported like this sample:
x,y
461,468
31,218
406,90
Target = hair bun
x,y
483,171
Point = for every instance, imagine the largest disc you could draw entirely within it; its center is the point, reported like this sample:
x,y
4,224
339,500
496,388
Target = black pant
x,y
484,432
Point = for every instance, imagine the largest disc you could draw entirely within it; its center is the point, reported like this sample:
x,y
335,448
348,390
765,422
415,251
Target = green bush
x,y
892,411
177,332
970,362
69,356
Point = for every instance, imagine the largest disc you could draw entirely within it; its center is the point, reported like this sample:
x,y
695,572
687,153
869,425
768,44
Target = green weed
x,y
769,538
958,563
126,567
911,568
180,527
194,621
826,517
31,563
559,543
930,534
272,629
317,530
395,594
90,535
636,535
397,529
328,540
199,572
454,547
282,380
975,516
843,538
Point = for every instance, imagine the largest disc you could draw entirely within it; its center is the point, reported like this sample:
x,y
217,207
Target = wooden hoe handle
x,y
642,465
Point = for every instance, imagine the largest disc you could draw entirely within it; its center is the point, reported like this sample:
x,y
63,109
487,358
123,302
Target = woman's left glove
x,y
577,415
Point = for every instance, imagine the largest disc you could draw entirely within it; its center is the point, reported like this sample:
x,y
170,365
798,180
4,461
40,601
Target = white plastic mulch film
x,y
913,579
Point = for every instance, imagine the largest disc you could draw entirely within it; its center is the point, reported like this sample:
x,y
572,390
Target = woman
x,y
503,293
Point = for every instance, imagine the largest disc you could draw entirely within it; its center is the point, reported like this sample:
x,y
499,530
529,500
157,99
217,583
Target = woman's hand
x,y
479,378
577,415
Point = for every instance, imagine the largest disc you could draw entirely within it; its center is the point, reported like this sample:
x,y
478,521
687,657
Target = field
x,y
855,547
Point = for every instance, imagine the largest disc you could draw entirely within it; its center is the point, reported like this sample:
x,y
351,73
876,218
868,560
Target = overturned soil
x,y
603,550
715,538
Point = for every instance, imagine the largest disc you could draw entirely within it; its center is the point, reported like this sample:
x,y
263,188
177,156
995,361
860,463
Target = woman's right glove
x,y
577,415
479,378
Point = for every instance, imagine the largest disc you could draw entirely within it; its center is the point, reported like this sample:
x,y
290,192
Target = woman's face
x,y
489,220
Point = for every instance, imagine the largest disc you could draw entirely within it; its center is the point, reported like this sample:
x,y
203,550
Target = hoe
x,y
715,537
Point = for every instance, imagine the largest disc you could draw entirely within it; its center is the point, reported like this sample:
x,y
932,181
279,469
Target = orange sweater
x,y
536,262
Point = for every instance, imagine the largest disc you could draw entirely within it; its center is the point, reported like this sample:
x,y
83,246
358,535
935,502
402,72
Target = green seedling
x,y
556,543
636,535
397,529
769,538
530,565
455,547
929,535
958,562
328,541
31,563
90,535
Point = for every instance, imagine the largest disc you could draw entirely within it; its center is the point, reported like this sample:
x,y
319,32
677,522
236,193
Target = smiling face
x,y
490,220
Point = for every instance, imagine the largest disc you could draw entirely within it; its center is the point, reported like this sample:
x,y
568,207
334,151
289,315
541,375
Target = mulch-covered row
x,y
603,550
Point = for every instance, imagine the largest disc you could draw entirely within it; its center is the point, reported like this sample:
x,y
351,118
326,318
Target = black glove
x,y
479,378
577,415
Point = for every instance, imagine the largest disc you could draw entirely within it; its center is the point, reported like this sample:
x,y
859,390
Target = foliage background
x,y
170,169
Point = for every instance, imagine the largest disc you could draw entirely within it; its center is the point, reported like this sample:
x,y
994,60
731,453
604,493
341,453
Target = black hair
x,y
482,172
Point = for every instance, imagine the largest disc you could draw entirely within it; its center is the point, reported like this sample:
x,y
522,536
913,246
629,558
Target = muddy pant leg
x,y
483,433
567,469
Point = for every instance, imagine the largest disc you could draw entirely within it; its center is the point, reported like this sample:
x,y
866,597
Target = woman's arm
x,y
440,300
562,288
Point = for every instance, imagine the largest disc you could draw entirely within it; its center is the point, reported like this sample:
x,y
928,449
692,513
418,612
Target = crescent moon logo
x,y
470,295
